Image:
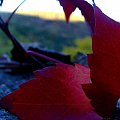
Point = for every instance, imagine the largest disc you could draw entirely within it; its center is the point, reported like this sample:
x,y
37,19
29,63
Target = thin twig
x,y
1,2
12,65
93,2
9,18
29,52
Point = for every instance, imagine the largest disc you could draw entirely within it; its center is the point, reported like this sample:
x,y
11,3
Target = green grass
x,y
51,34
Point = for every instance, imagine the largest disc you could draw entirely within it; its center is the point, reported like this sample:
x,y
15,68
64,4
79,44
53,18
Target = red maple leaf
x,y
54,94
105,60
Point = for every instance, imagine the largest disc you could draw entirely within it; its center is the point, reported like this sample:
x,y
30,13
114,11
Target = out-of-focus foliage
x,y
80,45
51,34
5,44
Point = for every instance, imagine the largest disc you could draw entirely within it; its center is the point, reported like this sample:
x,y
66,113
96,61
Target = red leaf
x,y
87,10
105,60
68,8
55,94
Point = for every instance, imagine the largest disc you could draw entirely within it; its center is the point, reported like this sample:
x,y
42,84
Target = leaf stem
x,y
29,52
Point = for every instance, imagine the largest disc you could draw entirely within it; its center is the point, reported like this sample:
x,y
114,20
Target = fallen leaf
x,y
54,94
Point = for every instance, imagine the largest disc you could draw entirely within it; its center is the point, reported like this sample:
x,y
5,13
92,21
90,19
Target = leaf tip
x,y
68,8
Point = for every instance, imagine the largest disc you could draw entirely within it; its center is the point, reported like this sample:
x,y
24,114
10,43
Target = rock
x,y
4,115
81,58
4,90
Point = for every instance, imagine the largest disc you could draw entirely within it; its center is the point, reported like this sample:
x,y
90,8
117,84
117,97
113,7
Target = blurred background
x,y
41,23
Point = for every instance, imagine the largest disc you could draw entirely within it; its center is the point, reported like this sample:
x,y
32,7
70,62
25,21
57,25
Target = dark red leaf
x,y
105,60
86,9
54,94
68,8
